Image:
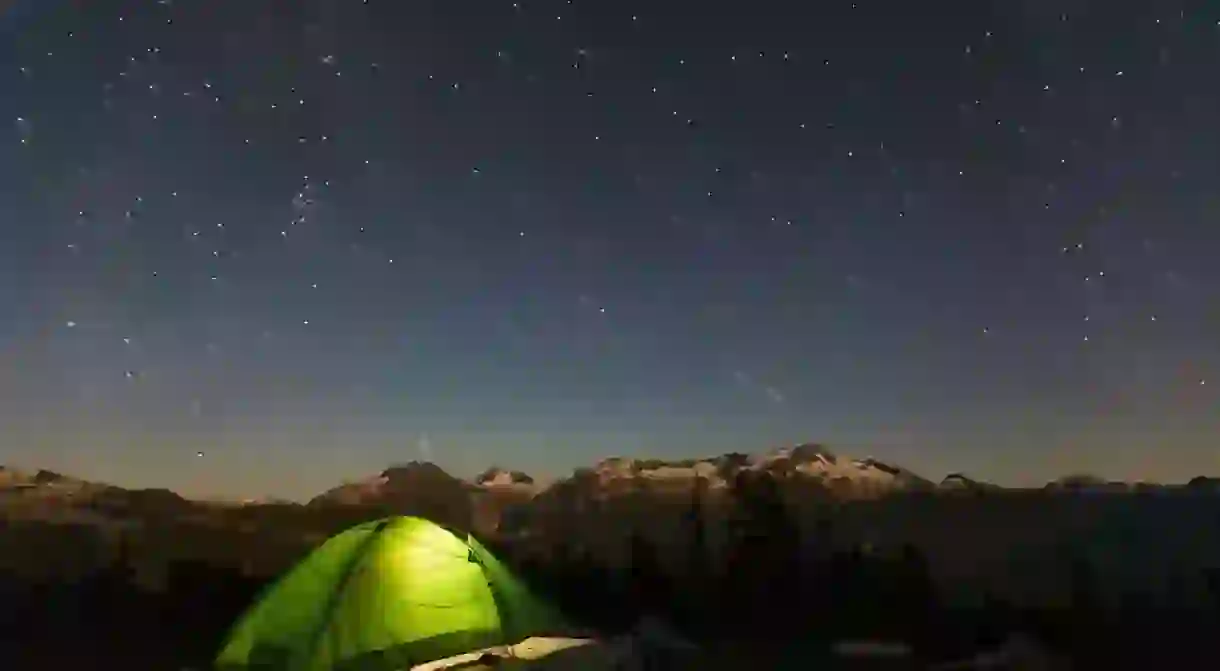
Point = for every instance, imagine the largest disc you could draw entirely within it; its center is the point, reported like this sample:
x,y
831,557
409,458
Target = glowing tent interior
x,y
386,595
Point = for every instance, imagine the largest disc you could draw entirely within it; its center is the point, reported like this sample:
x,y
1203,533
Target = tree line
x,y
763,588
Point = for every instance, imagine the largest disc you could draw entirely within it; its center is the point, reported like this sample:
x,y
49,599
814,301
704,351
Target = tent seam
x,y
336,594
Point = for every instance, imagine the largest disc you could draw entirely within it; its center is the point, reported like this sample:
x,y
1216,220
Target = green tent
x,y
386,595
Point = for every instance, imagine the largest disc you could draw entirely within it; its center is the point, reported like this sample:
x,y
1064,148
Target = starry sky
x,y
312,238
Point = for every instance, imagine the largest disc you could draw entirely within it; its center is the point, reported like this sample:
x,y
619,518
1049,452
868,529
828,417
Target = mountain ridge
x,y
811,462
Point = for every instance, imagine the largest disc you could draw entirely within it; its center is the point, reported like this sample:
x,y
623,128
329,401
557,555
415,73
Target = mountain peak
x,y
805,453
496,476
963,482
957,480
412,469
814,452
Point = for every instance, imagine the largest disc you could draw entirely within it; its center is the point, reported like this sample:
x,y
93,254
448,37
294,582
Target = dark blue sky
x,y
314,238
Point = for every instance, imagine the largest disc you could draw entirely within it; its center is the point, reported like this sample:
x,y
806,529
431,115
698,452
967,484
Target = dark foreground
x,y
769,598
105,621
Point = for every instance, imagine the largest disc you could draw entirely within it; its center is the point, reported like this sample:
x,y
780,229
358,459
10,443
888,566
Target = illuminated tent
x,y
386,595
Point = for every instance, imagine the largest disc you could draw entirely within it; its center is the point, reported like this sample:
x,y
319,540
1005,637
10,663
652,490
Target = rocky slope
x,y
415,488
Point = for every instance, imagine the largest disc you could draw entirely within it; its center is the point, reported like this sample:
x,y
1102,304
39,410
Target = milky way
x,y
259,247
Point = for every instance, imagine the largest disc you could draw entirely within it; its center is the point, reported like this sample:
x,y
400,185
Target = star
x,y
706,278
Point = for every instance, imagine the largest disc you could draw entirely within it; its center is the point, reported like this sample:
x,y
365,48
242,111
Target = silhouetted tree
x,y
812,577
1085,615
763,556
589,592
916,608
698,577
1086,598
1211,577
650,590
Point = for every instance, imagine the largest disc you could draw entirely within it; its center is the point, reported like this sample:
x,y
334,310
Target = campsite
x,y
427,335
706,579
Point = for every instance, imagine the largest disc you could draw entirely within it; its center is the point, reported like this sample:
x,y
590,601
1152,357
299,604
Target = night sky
x,y
313,238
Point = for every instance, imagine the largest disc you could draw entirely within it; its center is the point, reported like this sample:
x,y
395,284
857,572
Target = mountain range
x,y
976,535
844,478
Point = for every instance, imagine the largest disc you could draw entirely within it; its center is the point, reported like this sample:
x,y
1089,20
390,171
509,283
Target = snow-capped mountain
x,y
806,461
421,487
816,461
500,477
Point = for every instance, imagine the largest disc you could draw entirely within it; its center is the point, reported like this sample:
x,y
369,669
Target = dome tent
x,y
382,596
